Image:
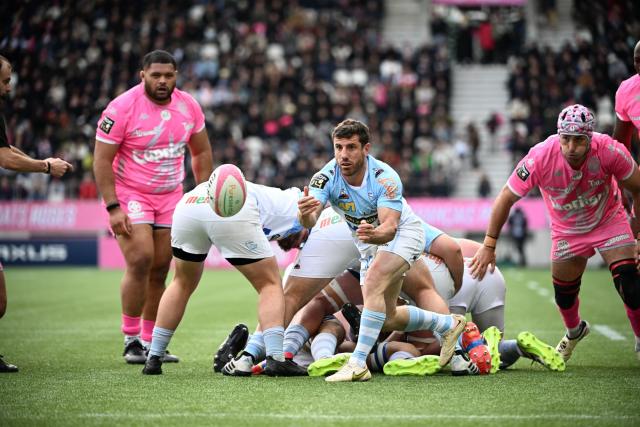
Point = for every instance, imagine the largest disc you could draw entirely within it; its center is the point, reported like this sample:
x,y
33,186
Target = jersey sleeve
x,y
616,159
321,183
198,115
389,190
620,104
524,176
112,124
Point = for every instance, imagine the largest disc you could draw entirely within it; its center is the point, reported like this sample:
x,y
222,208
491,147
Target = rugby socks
x,y
634,318
574,331
147,331
273,340
370,326
400,355
509,353
255,347
323,345
294,338
427,320
160,341
130,325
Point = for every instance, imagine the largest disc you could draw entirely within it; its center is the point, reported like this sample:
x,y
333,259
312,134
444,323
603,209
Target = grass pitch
x,y
62,330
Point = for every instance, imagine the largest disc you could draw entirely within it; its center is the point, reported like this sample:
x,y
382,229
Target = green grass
x,y
62,329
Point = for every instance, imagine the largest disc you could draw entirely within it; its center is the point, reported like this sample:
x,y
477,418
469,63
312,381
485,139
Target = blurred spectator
x,y
273,77
493,124
484,186
519,232
473,138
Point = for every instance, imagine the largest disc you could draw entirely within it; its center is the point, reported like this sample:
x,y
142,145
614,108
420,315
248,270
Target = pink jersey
x,y
152,138
577,200
628,101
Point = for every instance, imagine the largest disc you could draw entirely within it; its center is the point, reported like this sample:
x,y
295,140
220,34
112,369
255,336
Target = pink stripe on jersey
x,y
152,138
577,200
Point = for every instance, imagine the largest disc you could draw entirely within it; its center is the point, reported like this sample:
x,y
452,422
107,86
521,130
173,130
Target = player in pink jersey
x,y
577,172
627,105
139,168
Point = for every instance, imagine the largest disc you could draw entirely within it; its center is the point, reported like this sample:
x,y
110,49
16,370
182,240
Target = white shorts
x,y
441,276
328,251
195,229
475,296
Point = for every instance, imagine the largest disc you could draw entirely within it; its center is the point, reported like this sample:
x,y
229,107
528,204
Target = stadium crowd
x,y
272,77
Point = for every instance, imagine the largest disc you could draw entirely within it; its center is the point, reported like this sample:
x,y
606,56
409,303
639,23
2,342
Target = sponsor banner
x,y
110,257
73,216
473,215
50,252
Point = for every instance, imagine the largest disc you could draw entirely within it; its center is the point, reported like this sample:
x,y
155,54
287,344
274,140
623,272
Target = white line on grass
x,y
612,334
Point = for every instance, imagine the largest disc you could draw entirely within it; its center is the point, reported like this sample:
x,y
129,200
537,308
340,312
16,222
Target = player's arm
x,y
445,247
309,209
623,132
632,185
389,219
486,255
201,156
103,156
13,159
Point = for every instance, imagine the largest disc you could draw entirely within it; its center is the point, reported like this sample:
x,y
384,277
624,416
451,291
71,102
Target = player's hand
x,y
59,167
365,231
307,204
485,257
120,222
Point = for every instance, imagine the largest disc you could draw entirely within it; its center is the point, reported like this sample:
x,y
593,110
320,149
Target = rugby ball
x,y
227,190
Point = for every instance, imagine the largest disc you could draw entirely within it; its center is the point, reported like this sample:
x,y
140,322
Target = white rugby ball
x,y
227,190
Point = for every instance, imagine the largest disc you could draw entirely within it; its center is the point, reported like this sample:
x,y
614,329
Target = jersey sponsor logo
x,y
580,202
347,206
197,200
319,181
522,172
173,151
107,124
390,187
333,219
357,220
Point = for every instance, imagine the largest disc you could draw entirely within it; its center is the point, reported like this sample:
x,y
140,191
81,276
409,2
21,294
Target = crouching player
x,y
243,239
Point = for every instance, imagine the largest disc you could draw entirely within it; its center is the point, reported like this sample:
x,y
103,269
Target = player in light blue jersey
x,y
367,193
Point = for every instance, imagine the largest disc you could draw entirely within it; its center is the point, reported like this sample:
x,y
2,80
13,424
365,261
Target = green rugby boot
x,y
423,365
328,366
492,336
533,348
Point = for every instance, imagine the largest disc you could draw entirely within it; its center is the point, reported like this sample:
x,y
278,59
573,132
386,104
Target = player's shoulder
x,y
182,95
378,169
328,173
630,84
546,148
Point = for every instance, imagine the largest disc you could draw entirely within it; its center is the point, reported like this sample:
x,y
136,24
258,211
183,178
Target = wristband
x,y
490,241
48,167
112,206
493,237
490,247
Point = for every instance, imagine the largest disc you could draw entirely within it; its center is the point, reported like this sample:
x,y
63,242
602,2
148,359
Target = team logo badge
x,y
135,209
522,172
343,194
107,124
166,115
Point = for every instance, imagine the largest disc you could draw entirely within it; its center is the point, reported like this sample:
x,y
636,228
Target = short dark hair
x,y
3,60
158,57
349,127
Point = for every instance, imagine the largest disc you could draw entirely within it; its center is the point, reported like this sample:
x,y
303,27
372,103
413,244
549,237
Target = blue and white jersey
x,y
431,233
278,210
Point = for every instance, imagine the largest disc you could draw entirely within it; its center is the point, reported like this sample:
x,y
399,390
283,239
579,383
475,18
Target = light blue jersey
x,y
431,233
381,188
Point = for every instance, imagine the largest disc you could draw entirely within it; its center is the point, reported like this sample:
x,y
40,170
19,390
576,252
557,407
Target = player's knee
x,y
566,292
139,263
626,281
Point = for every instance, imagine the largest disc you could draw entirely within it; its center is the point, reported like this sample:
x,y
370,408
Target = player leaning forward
x,y
577,173
367,193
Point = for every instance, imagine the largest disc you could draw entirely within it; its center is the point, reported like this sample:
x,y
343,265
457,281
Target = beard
x,y
157,95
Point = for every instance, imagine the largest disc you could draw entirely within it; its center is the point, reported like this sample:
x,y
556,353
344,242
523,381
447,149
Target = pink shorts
x,y
614,234
147,208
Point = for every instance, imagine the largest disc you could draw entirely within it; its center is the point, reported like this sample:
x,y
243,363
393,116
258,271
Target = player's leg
x,y
623,267
171,310
4,366
264,276
418,285
137,249
567,276
323,349
156,285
